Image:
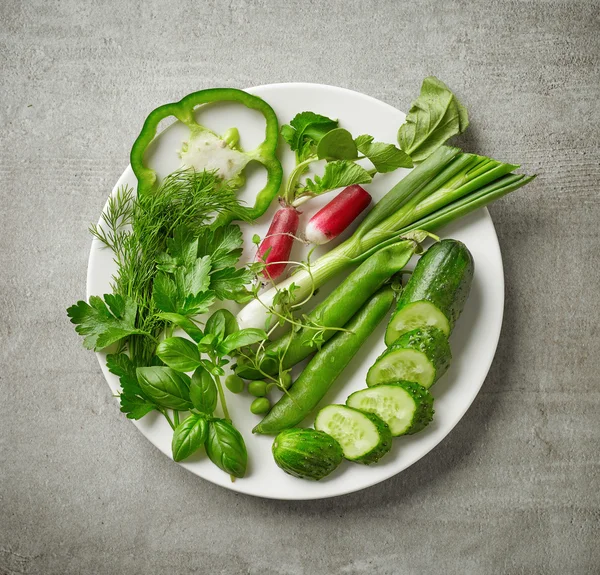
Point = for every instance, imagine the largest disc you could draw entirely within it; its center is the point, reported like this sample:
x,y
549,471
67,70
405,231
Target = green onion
x,y
445,187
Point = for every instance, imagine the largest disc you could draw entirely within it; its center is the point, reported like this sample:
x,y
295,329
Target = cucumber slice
x,y
415,315
405,406
364,437
422,355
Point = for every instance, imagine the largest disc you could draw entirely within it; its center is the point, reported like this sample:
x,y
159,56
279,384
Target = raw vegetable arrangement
x,y
178,352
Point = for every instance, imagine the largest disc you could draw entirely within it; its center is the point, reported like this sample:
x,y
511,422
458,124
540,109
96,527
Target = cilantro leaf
x,y
338,174
133,400
229,283
223,245
385,157
104,322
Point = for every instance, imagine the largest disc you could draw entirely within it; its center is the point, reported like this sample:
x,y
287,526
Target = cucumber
x,y
422,355
307,453
364,437
437,291
405,406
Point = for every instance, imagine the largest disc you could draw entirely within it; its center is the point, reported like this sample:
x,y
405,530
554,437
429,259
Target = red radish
x,y
279,239
331,220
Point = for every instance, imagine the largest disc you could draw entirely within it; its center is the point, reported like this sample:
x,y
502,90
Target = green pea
x,y
260,405
257,388
234,383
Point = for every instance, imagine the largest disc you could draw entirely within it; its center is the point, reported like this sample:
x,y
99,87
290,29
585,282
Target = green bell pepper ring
x,y
183,110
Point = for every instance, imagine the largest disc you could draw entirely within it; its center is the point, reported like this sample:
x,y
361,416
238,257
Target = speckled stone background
x,y
514,489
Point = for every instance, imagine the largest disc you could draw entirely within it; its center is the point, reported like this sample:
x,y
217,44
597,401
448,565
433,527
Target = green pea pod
x,y
184,112
327,365
335,311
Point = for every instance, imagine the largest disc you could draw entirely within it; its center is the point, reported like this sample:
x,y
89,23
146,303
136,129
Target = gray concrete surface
x,y
514,489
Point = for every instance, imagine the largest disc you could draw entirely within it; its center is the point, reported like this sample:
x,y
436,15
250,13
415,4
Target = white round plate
x,y
473,341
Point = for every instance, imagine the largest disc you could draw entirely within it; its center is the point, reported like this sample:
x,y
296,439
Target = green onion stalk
x,y
446,186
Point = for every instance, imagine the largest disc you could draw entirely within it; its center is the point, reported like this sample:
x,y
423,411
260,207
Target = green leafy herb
x,y
165,387
304,132
337,145
189,436
338,174
179,353
240,339
434,117
183,322
203,391
223,245
226,448
221,324
104,322
385,157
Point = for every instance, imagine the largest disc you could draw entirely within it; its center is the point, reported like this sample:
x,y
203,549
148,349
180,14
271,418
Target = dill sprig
x,y
136,230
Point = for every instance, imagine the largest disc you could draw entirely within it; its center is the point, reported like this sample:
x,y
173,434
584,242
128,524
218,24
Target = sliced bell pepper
x,y
183,110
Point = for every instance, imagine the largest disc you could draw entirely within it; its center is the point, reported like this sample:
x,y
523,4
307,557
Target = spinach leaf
x,y
338,174
434,117
240,339
203,391
337,144
189,436
165,386
385,157
226,448
104,322
179,353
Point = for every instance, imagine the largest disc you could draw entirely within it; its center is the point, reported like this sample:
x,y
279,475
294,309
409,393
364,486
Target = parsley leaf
x,y
385,157
338,174
104,321
229,283
133,400
223,245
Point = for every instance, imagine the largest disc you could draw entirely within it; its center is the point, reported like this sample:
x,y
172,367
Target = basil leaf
x,y
189,436
338,174
179,353
221,324
203,391
337,144
165,386
241,338
385,157
184,323
434,117
226,448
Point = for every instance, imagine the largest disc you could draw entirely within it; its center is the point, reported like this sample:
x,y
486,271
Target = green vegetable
x,y
434,117
385,157
437,291
260,406
234,383
179,353
104,322
364,437
335,311
444,187
326,366
203,391
307,453
422,356
257,388
165,386
184,112
405,406
225,447
189,436
337,145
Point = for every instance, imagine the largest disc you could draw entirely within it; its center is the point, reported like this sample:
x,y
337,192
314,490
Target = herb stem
x,y
176,418
165,413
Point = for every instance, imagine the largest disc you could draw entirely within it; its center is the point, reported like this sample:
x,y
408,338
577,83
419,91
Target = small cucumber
x,y
307,453
364,437
405,406
437,291
422,355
